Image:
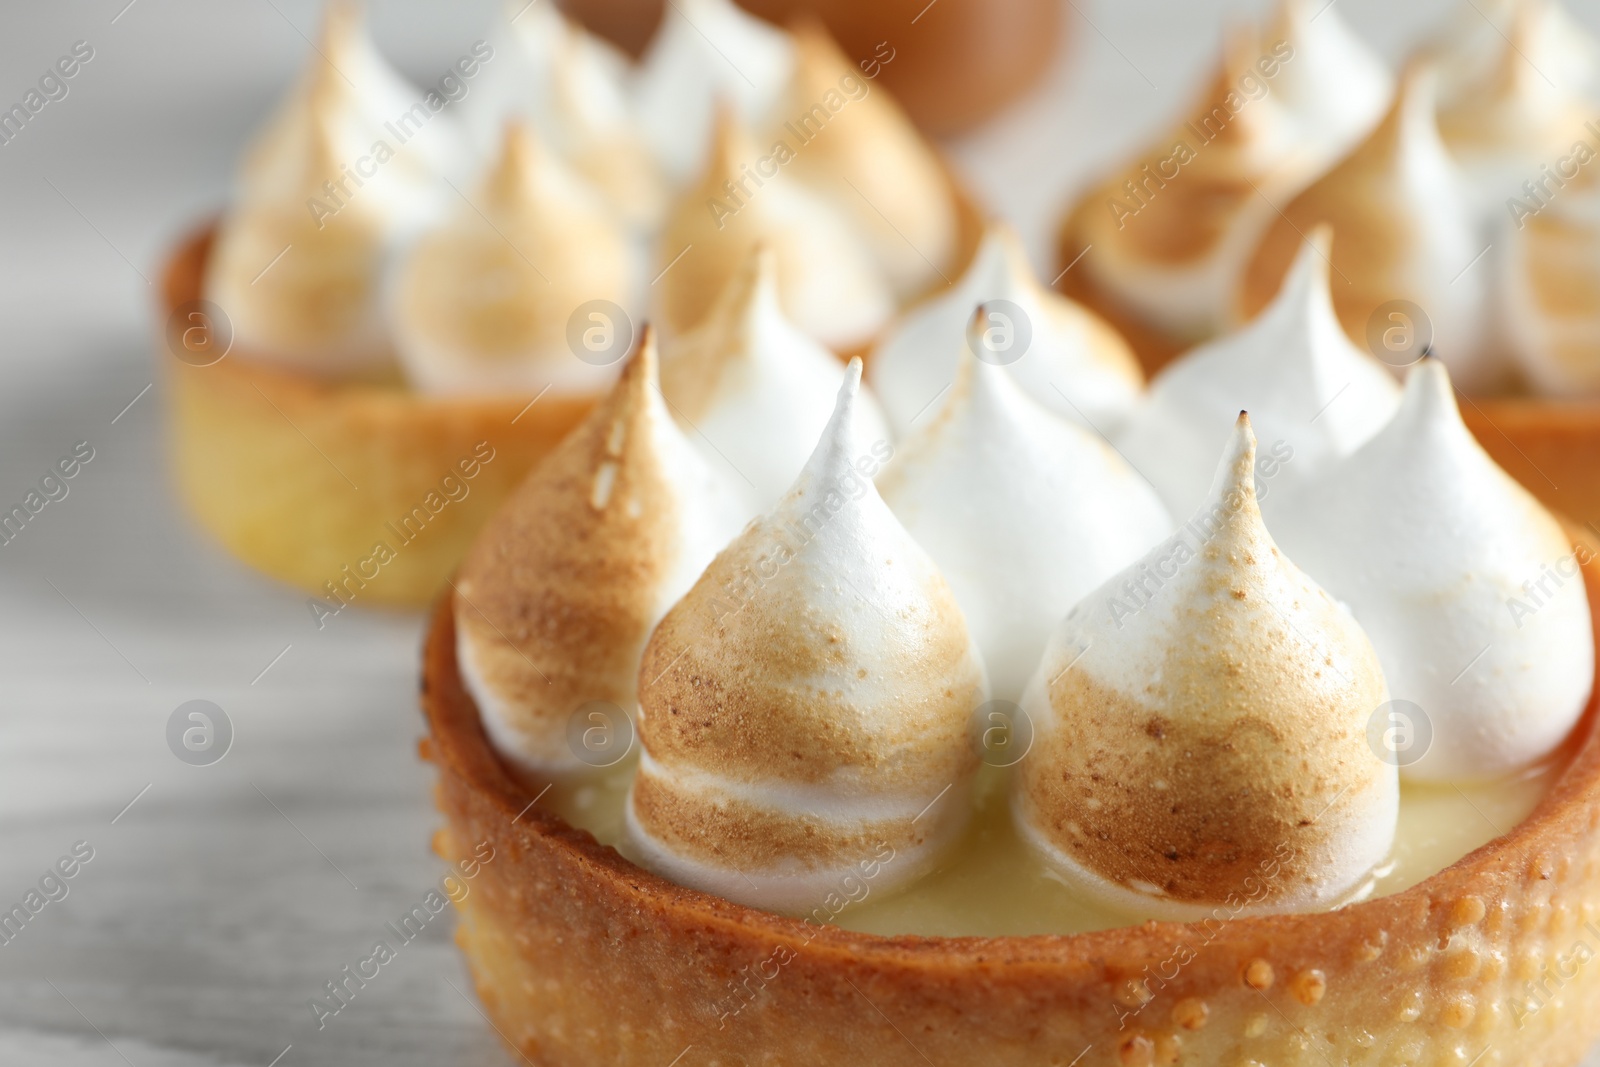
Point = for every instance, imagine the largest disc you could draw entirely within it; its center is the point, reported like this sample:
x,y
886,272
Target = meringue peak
x,y
1022,510
1448,563
559,593
481,305
1314,395
828,280
1064,356
826,616
1201,719
754,388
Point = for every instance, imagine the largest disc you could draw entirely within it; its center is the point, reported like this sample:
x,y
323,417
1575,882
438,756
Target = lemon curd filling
x,y
992,884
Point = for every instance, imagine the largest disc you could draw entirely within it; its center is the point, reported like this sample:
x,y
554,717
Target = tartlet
x,y
301,477
582,957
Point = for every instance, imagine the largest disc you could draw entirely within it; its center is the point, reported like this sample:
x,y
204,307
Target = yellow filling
x,y
992,884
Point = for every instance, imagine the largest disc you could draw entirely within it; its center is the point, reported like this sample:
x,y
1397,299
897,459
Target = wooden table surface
x,y
219,899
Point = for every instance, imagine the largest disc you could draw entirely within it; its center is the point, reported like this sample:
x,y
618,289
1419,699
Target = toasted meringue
x,y
571,87
1550,284
1473,44
1023,511
1312,395
806,708
828,281
753,391
1071,361
1169,236
1200,728
855,145
1406,232
706,52
1332,82
555,602
483,304
1467,586
324,195
1511,125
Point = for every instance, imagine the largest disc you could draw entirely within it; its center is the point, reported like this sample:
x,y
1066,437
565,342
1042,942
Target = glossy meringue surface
x,y
753,391
829,283
558,596
1312,395
1064,356
1023,511
1404,230
806,707
485,303
1334,84
1469,589
1201,728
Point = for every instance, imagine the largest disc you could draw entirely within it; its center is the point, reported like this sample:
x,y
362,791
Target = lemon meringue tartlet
x,y
831,807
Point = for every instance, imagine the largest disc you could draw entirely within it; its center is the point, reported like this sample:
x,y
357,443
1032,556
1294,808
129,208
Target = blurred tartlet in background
x,y
410,283
1459,202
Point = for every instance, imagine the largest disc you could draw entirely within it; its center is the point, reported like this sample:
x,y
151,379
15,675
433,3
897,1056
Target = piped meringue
x,y
1513,123
484,303
854,144
1168,236
1332,82
1550,287
807,706
323,197
1312,395
1473,43
1406,232
1469,589
753,391
707,52
571,87
829,283
1023,511
1071,361
555,602
1200,728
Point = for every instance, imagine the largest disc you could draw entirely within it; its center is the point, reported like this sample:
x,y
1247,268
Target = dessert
x,y
706,55
1400,183
992,475
1163,242
805,708
573,88
555,601
1313,396
582,955
403,285
320,310
858,148
1066,358
483,303
1551,283
752,391
1469,589
829,283
1201,727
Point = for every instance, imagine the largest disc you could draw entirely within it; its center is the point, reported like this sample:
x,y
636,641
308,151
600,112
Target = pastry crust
x,y
245,444
583,958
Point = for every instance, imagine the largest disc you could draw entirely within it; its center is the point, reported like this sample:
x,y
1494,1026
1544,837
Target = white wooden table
x,y
220,898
